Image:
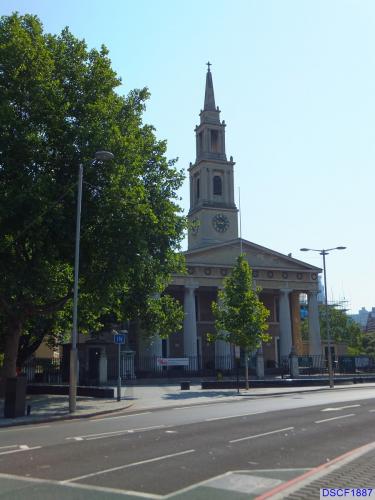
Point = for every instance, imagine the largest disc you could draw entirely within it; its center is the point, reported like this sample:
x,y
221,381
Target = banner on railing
x,y
172,361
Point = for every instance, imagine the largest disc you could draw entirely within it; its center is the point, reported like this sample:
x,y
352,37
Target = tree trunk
x,y
246,370
12,338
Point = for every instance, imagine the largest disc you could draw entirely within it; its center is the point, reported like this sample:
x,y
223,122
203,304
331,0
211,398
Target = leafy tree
x,y
369,344
58,105
343,329
240,317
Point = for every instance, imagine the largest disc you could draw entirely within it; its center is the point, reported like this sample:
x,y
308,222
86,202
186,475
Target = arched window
x,y
218,189
198,188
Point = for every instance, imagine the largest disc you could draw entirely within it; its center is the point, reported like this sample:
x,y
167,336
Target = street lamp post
x,y
325,252
73,370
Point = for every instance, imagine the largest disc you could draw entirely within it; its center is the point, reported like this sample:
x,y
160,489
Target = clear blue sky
x,y
295,81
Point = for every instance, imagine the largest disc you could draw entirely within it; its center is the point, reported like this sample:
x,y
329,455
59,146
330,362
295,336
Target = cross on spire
x,y
208,65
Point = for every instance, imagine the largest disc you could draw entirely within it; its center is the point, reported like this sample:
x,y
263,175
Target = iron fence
x,y
56,371
342,365
43,370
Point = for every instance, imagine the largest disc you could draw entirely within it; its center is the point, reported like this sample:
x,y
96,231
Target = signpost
x,y
119,338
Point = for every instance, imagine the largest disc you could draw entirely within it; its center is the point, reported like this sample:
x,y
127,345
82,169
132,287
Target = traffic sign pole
x,y
119,338
119,373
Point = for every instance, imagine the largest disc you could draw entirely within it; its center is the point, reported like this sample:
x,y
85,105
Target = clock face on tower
x,y
220,223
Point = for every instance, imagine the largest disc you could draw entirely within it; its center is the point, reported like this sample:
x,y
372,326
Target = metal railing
x,y
43,370
54,371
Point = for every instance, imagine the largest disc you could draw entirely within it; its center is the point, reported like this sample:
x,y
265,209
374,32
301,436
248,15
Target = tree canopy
x,y
240,317
343,330
58,105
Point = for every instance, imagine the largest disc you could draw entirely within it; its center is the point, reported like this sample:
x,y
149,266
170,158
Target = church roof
x,y
225,254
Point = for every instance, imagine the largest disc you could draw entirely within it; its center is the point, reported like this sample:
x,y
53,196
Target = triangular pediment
x,y
225,254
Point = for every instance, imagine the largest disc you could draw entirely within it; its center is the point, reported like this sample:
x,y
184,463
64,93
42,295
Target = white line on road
x,y
9,446
338,408
371,411
101,435
134,464
24,448
121,416
233,416
90,487
194,406
334,418
260,435
26,428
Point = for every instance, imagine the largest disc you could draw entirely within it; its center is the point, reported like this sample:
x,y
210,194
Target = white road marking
x,y
334,418
120,416
121,467
371,411
25,448
194,406
101,435
338,408
25,428
233,416
9,446
261,435
89,487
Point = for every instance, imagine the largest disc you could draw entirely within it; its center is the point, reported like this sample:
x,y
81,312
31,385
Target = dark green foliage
x,y
58,105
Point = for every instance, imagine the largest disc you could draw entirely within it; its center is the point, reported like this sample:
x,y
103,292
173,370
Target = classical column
x,y
223,351
223,355
156,351
190,326
296,322
285,323
260,363
315,343
103,366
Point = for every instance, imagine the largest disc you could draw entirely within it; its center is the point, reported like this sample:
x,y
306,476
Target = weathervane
x,y
208,65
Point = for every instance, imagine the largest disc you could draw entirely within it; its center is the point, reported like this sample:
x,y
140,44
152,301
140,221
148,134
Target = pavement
x,y
349,476
144,396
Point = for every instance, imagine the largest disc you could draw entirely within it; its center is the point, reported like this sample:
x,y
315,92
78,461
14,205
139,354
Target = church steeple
x,y
209,96
212,207
210,133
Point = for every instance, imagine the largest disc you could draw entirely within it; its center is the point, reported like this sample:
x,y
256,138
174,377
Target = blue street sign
x,y
119,338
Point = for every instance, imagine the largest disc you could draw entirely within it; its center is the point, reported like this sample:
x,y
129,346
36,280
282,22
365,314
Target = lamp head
x,y
304,249
340,248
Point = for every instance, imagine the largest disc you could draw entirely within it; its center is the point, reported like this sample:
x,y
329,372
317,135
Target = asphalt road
x,y
162,452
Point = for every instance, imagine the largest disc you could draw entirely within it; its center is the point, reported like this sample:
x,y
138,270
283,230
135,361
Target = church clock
x,y
220,223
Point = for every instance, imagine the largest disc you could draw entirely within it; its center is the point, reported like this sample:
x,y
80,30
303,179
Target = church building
x,y
213,246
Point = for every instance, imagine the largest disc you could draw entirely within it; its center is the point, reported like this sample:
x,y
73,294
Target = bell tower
x,y
213,212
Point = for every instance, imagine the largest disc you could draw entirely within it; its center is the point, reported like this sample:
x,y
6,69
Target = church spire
x,y
209,97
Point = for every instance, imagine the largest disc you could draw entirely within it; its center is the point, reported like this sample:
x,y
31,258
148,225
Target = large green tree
x,y
343,330
58,105
240,317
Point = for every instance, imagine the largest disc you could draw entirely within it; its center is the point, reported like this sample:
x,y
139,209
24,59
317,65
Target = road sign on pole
x,y
119,338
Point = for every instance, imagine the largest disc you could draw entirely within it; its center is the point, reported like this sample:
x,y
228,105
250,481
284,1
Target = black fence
x,y
43,370
56,371
341,365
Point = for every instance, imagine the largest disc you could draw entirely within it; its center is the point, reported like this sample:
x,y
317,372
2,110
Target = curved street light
x,y
73,370
325,252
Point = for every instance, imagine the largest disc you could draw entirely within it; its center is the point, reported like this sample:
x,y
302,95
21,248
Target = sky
x,y
295,82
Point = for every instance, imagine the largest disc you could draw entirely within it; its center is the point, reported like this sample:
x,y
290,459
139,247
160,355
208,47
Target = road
x,y
169,451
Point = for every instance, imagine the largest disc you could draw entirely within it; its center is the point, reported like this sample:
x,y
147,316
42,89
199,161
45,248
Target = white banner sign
x,y
173,362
